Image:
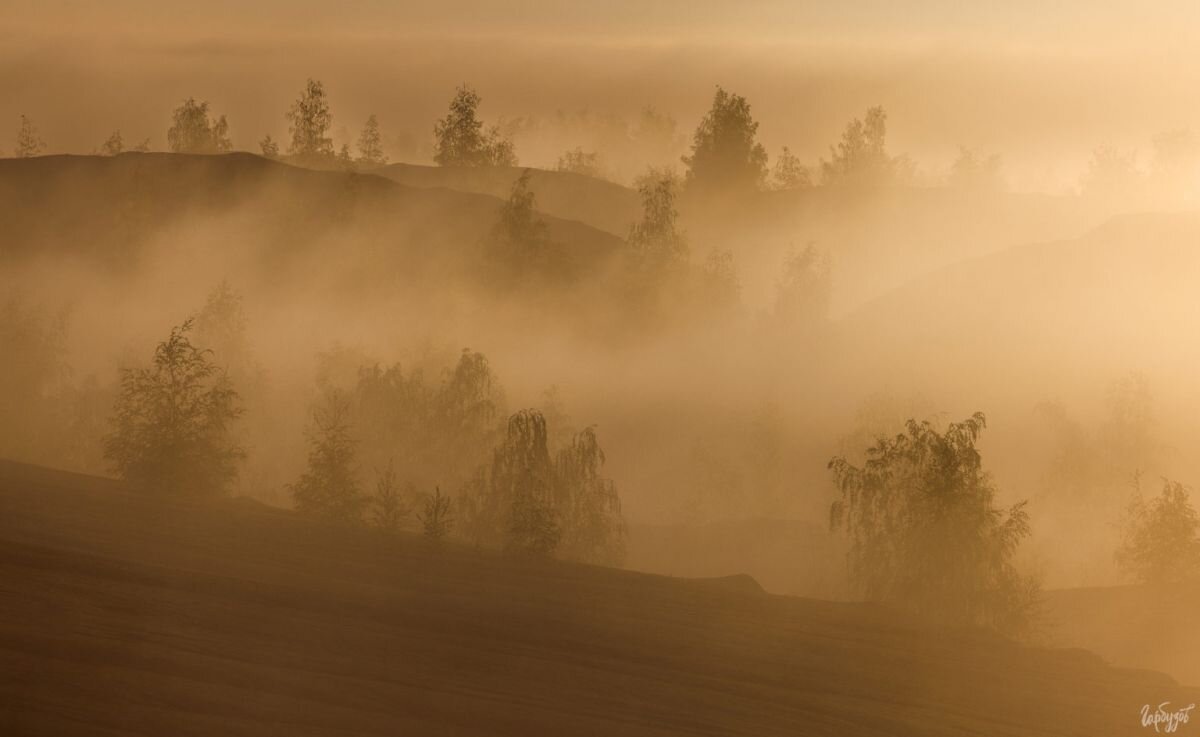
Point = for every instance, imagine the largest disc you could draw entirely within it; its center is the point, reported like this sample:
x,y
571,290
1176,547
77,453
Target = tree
x,y
1159,539
459,138
1112,177
192,131
803,290
33,375
789,173
221,327
113,145
1128,435
721,287
370,144
725,155
270,148
310,120
329,486
523,484
519,241
29,143
432,433
436,517
471,396
924,533
656,240
172,427
529,503
578,161
389,505
345,159
861,157
593,530
972,171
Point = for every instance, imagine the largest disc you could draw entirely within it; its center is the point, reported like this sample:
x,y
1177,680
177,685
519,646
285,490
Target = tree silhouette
x,y
328,488
1159,539
803,290
113,145
431,432
861,157
725,155
370,144
193,131
221,327
519,243
1113,176
656,241
33,374
578,161
721,288
270,148
172,427
587,505
924,533
390,506
29,143
789,173
436,518
310,121
972,171
528,503
460,140
523,484
345,159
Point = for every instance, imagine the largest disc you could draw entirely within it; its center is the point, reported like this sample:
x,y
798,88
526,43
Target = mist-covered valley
x,y
839,351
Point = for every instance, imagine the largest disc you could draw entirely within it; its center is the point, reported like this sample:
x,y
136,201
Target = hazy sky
x,y
1042,83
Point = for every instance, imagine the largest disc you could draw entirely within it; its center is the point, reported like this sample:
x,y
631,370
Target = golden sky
x,y
1041,83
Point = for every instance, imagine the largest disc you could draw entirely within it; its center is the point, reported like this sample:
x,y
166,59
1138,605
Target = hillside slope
x,y
599,203
123,615
877,239
1061,310
1139,626
277,220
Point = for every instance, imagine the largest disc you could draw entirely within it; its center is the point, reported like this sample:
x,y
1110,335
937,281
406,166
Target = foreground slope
x,y
1141,626
125,616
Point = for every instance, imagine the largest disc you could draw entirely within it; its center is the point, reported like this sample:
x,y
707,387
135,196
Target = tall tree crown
x,y
460,138
194,131
173,421
310,120
725,155
924,532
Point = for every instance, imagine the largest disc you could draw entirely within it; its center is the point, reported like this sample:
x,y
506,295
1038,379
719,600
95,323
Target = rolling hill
x,y
877,239
279,222
597,202
1139,626
121,614
1043,314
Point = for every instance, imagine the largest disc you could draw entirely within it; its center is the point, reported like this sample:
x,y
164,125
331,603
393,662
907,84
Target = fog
x,y
1042,87
1016,236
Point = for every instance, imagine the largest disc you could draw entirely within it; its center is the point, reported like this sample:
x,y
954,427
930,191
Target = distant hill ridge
x,y
105,208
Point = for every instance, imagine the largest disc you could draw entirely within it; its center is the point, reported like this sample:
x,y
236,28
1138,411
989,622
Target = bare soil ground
x,y
1154,627
126,615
